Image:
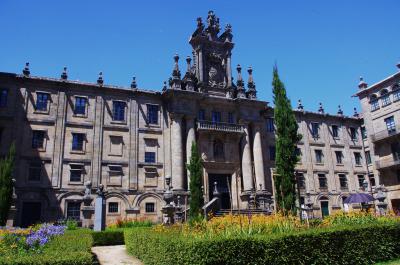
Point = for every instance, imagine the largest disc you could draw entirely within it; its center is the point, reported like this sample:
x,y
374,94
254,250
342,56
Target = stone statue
x,y
88,189
100,190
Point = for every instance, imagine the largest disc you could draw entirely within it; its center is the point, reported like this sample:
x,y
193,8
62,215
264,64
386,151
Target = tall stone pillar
x,y
228,70
246,161
201,67
191,137
258,158
177,152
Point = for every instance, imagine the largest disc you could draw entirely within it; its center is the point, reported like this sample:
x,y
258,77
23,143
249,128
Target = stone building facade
x,y
73,136
380,103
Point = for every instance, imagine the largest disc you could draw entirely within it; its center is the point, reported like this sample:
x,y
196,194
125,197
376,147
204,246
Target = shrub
x,y
365,244
72,248
108,237
130,223
71,224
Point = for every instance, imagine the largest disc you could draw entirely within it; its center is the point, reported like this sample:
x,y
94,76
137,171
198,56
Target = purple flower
x,y
44,234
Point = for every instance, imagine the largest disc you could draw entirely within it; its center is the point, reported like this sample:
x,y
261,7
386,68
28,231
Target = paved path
x,y
114,255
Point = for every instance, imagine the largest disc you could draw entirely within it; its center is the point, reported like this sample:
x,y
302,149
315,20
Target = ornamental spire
x,y
100,80
133,83
340,111
300,105
251,92
321,109
241,93
26,72
355,113
362,84
188,80
64,75
175,81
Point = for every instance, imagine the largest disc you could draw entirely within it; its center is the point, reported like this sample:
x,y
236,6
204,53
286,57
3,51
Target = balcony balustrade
x,y
220,126
387,162
379,136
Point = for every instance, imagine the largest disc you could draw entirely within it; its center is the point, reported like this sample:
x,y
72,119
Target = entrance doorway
x,y
396,206
223,186
324,208
31,213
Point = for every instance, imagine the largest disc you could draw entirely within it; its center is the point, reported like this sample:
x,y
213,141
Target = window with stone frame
x,y
396,93
368,157
150,207
385,98
315,129
118,112
151,176
35,171
76,173
38,139
270,125
319,156
78,141
372,180
390,124
343,181
80,105
364,133
335,131
323,183
150,157
357,158
115,174
202,115
3,97
218,149
42,100
339,157
116,145
301,181
113,207
353,134
73,210
360,179
150,150
152,114
216,116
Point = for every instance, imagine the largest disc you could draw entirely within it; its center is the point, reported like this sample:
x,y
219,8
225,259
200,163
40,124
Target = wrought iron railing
x,y
378,136
220,126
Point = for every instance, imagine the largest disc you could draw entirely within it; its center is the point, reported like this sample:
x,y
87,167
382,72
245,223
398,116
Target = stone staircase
x,y
223,212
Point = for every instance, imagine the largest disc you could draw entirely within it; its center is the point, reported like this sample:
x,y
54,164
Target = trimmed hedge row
x,y
108,238
347,245
72,248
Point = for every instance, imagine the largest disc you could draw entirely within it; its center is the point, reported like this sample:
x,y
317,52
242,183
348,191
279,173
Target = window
x,y
396,95
339,157
76,173
119,110
270,125
152,114
113,207
357,158
38,139
230,118
41,101
396,150
372,180
298,153
80,105
150,207
73,210
35,171
150,157
218,149
3,98
318,156
78,141
385,98
315,130
363,133
343,181
390,124
115,173
322,181
361,179
353,134
272,153
374,103
116,144
301,181
202,115
216,116
335,131
368,157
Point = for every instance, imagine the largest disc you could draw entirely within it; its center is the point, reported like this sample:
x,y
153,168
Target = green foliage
x,y
71,224
72,248
345,245
6,185
129,223
196,174
108,237
286,143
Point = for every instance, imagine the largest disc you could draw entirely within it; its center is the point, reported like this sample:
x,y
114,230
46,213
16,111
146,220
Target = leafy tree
x,y
286,143
6,184
196,194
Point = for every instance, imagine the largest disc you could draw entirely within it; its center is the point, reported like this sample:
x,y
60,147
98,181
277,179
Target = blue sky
x,y
321,47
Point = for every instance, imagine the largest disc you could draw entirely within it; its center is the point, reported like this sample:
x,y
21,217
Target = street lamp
x,y
309,203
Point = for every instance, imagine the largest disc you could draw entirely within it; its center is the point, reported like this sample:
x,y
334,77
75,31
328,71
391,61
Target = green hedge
x,y
346,245
108,237
72,248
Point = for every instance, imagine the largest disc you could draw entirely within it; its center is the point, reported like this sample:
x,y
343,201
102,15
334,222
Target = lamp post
x,y
296,175
309,204
364,188
380,197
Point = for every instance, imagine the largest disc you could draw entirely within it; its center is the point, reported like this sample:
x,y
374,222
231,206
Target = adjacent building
x,y
71,137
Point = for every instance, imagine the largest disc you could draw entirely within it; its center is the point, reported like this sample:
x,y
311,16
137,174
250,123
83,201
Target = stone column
x,y
258,158
201,65
191,137
177,152
228,70
246,161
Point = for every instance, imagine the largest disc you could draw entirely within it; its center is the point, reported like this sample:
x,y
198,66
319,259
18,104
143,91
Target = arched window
x,y
385,97
218,149
373,100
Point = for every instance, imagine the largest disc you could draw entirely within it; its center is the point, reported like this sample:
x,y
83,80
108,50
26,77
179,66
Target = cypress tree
x,y
287,138
6,185
196,194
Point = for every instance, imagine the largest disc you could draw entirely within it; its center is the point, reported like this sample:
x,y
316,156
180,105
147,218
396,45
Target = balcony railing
x,y
385,134
387,162
220,126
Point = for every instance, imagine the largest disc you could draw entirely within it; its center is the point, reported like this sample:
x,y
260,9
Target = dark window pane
x,y
80,105
3,98
77,141
113,207
73,210
315,130
322,181
150,207
390,124
216,116
335,131
339,156
357,157
343,181
118,111
149,157
202,115
353,134
318,156
41,101
152,114
270,125
76,173
38,139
